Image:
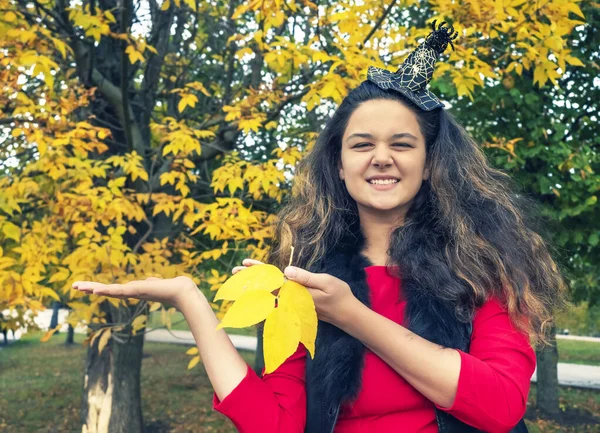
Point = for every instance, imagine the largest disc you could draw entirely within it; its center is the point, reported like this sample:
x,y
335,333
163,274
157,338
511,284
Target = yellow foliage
x,y
282,333
134,55
138,323
105,336
260,277
49,334
193,362
290,317
187,99
296,295
249,308
11,231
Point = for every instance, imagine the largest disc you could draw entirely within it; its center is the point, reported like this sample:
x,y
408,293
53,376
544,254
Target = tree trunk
x,y
54,320
112,396
259,360
547,377
70,336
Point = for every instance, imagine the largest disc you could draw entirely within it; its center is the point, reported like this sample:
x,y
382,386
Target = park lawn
x,y
178,323
578,352
41,386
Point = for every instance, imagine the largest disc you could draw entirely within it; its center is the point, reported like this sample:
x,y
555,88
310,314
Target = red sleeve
x,y
275,403
495,375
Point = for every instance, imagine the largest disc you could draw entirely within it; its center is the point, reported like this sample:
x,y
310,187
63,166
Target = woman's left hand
x,y
333,297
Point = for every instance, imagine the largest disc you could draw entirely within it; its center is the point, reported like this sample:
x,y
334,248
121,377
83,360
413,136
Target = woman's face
x,y
383,139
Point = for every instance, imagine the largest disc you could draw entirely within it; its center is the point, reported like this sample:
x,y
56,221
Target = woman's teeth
x,y
383,182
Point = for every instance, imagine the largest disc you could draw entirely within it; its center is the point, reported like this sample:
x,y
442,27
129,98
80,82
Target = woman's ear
x,y
426,174
341,171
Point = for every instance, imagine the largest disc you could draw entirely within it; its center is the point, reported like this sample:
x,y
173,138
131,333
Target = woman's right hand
x,y
171,291
247,263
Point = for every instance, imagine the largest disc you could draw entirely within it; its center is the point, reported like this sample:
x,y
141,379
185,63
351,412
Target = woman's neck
x,y
377,240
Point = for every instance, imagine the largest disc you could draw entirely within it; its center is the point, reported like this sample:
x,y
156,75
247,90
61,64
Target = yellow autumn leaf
x,y
138,323
154,306
166,5
259,277
10,17
45,291
196,85
281,336
195,360
104,340
250,124
114,301
251,307
49,334
191,4
295,296
573,7
92,337
61,275
192,351
12,231
110,17
186,99
61,46
574,61
134,55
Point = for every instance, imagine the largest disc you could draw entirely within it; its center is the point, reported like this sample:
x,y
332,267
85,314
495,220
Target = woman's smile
x,y
383,186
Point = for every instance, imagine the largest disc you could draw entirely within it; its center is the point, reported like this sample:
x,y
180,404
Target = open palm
x,y
167,291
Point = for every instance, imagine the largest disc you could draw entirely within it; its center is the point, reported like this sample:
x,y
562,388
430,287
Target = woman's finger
x,y
133,289
237,269
247,263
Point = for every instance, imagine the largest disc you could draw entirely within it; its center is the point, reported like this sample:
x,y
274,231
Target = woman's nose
x,y
382,156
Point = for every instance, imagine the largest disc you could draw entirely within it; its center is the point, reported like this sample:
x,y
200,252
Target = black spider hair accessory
x,y
412,76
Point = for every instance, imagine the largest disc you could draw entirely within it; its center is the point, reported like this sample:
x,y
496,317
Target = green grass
x,y
578,352
41,388
178,323
577,408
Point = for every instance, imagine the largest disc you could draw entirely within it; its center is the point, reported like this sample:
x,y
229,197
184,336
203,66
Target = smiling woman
x,y
381,164
450,279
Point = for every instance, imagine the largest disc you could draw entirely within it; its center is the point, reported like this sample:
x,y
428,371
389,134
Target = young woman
x,y
429,284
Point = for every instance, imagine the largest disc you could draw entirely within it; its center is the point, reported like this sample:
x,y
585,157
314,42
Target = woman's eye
x,y
395,144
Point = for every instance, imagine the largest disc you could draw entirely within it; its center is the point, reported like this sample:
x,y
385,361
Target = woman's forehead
x,y
382,119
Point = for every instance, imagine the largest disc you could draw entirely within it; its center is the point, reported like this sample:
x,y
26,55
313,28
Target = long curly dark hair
x,y
465,238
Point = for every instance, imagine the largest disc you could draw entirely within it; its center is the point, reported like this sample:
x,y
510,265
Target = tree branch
x,y
124,78
114,97
378,24
9,120
160,40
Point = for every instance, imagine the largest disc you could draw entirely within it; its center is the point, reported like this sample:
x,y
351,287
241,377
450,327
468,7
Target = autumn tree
x,y
158,139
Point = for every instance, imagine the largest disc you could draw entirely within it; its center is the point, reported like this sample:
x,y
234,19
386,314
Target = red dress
x,y
492,392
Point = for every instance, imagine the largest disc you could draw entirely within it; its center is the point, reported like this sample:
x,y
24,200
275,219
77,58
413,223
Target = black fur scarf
x,y
336,371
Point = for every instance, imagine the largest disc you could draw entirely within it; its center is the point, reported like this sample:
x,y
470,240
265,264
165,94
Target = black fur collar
x,y
336,371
